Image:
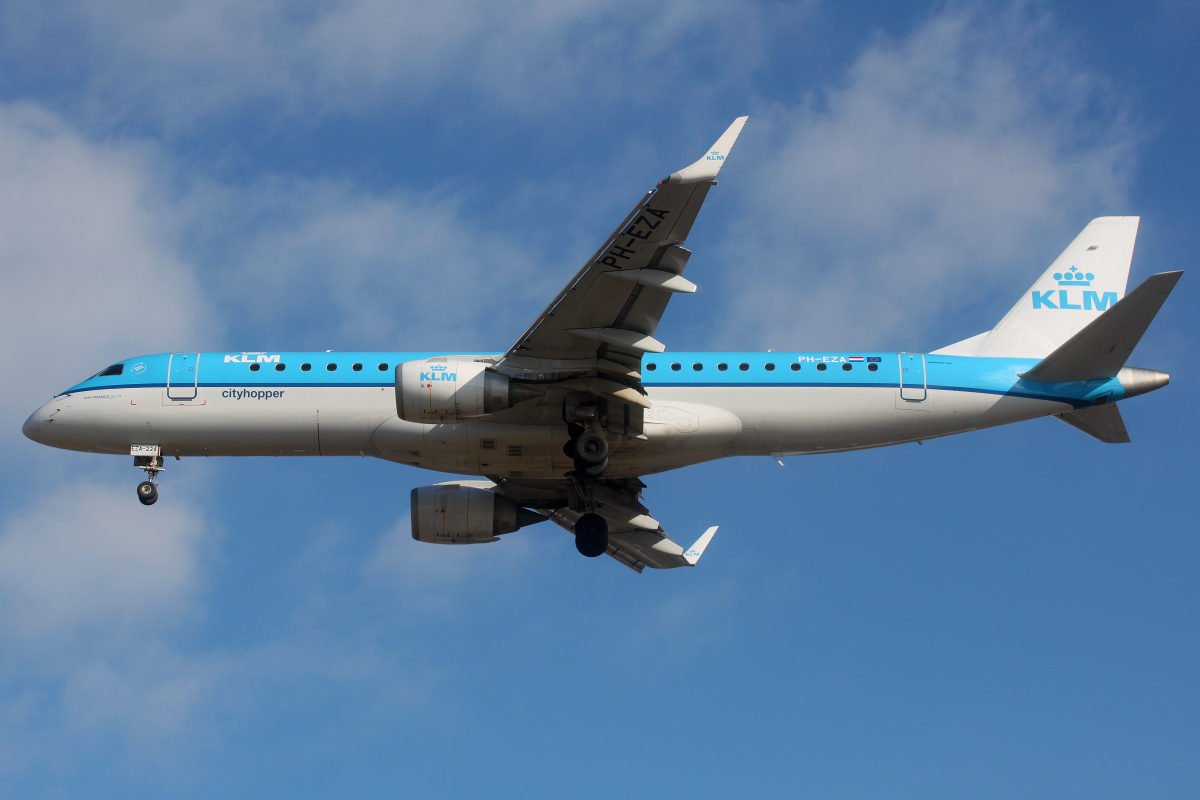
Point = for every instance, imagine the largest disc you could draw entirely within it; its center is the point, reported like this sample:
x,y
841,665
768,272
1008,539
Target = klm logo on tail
x,y
1061,298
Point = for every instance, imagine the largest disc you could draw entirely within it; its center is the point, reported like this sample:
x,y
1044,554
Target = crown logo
x,y
439,367
1073,277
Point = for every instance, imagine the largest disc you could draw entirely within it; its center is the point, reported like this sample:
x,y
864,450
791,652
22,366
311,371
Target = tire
x,y
591,449
596,471
591,535
147,493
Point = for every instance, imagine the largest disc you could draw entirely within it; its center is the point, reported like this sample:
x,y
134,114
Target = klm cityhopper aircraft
x,y
586,402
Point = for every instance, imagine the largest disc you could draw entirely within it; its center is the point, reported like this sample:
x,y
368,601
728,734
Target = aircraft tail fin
x,y
1103,422
1088,278
1100,349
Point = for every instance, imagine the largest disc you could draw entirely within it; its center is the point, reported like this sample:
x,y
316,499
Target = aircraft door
x,y
912,377
182,376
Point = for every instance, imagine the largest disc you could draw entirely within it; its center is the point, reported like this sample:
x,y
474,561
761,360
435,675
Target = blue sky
x,y
1006,613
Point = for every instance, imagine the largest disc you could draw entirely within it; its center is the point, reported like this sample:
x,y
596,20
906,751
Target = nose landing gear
x,y
147,490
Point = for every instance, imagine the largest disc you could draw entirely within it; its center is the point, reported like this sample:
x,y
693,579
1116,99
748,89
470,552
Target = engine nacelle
x,y
450,513
454,390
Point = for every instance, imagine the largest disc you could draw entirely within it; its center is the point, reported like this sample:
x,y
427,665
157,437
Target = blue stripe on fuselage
x,y
952,373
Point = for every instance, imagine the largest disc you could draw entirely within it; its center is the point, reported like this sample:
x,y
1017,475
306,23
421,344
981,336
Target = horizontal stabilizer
x,y
1101,348
1104,422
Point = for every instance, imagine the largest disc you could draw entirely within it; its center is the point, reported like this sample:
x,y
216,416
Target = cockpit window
x,y
115,369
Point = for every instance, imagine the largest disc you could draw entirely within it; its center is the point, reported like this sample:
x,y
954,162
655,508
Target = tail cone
x,y
1139,381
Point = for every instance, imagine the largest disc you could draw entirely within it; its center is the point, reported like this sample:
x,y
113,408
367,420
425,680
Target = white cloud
x,y
428,578
329,265
92,586
89,559
956,161
179,61
89,271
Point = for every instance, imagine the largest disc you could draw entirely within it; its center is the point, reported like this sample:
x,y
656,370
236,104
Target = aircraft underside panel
x,y
685,425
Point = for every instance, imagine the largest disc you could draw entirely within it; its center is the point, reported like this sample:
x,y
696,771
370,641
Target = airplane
x,y
565,423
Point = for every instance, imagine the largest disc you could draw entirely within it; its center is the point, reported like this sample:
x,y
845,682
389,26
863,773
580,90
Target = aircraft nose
x,y
38,424
30,428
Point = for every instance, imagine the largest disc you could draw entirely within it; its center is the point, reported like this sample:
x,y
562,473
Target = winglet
x,y
693,553
705,170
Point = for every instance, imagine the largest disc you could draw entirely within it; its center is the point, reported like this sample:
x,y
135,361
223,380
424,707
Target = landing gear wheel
x,y
591,449
147,492
596,471
591,535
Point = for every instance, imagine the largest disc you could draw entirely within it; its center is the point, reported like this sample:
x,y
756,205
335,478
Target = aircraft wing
x,y
592,336
634,537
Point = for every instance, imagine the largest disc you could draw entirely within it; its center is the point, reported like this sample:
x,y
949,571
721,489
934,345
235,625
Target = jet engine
x,y
454,390
451,513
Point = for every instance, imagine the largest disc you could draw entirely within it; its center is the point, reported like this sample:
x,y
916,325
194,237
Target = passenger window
x,y
280,367
795,366
821,367
697,367
722,366
650,367
115,369
254,367
305,367
357,368
770,367
872,367
675,367
847,367
743,366
383,367
331,367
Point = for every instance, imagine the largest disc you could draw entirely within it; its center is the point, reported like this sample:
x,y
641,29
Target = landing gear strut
x,y
591,535
588,448
147,490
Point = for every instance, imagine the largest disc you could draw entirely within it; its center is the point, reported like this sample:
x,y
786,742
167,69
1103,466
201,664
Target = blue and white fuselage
x,y
703,406
565,422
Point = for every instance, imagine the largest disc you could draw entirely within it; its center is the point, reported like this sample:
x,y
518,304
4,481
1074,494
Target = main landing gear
x,y
588,448
591,535
589,451
147,490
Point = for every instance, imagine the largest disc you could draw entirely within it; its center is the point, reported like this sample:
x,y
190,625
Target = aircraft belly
x,y
226,421
684,426
677,434
794,420
289,421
